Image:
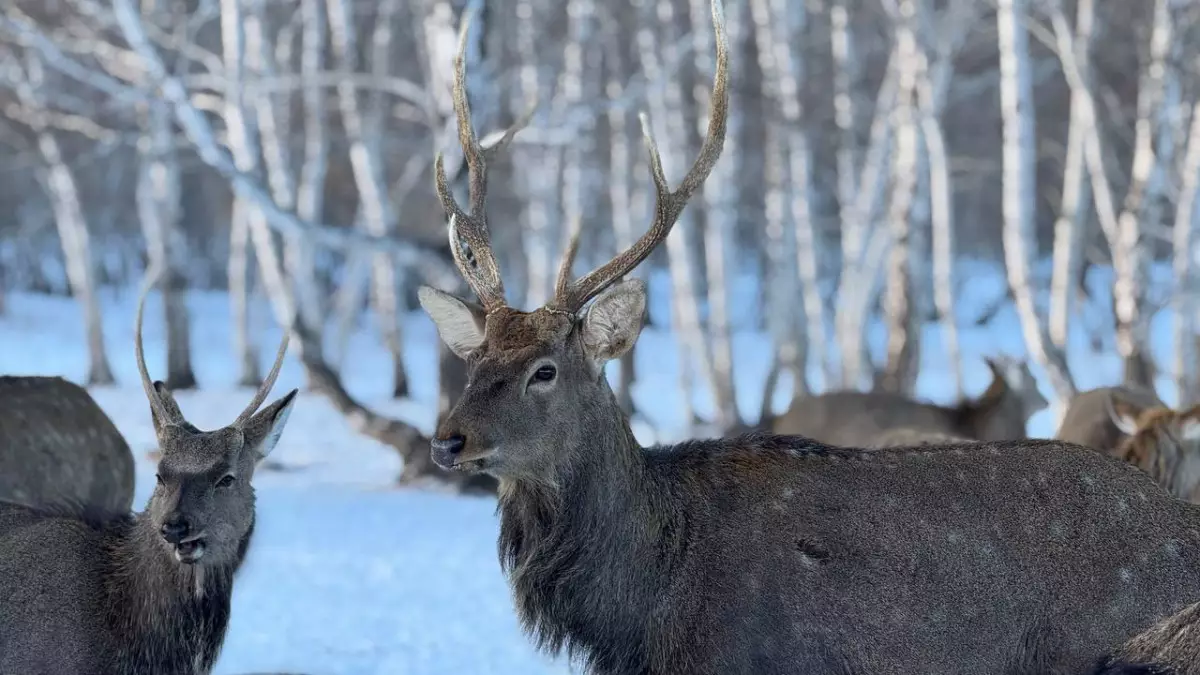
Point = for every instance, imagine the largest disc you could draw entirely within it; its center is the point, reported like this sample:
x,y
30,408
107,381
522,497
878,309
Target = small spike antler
x,y
160,410
669,204
470,241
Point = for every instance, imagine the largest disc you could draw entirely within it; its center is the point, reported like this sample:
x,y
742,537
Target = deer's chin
x,y
189,552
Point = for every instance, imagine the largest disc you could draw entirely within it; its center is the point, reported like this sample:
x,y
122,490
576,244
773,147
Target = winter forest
x,y
907,188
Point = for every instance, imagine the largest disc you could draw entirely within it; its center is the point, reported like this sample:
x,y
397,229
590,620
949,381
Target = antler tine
x,y
669,204
156,404
265,388
563,284
470,241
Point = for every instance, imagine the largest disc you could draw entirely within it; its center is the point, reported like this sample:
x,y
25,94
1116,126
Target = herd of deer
x,y
866,533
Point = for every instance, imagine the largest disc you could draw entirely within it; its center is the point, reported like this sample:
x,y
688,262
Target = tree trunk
x,y
1187,248
249,374
1019,189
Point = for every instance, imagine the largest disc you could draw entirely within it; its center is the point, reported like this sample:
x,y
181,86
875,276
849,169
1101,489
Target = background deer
x,y
58,447
1089,418
764,553
141,592
1164,443
856,419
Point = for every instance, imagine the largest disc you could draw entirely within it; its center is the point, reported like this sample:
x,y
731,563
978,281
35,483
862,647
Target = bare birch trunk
x,y
1019,188
664,103
1145,186
790,342
243,145
158,205
721,196
362,129
1187,249
249,374
902,347
310,193
71,223
1069,228
621,170
540,176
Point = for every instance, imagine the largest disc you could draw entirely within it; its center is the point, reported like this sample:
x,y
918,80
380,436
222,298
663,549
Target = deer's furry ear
x,y
263,430
614,322
1124,414
459,323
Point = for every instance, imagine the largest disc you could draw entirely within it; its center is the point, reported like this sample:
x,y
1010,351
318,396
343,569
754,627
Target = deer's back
x,y
855,419
968,559
1088,422
50,594
57,446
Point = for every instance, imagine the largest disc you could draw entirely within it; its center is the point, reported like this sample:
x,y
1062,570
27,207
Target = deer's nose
x,y
175,528
443,450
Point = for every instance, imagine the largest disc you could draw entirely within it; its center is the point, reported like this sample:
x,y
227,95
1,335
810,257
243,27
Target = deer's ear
x,y
459,323
614,321
170,407
263,430
1124,413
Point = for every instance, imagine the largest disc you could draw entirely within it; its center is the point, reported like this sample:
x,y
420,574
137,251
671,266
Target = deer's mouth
x,y
190,551
471,461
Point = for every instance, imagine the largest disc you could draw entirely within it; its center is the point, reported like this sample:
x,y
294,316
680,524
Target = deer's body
x,y
90,592
856,419
59,448
95,594
775,554
1088,420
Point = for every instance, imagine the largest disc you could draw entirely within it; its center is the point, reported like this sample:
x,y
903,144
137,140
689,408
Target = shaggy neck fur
x,y
165,617
588,552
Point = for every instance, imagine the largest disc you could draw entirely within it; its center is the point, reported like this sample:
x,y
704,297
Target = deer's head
x,y
1163,442
203,504
536,378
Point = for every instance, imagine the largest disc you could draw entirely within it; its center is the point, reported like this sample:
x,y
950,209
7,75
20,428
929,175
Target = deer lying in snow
x,y
856,419
1090,419
84,593
774,554
59,448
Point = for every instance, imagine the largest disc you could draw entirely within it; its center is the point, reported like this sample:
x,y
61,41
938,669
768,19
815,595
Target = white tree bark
x,y
1187,250
158,205
1069,228
541,166
310,193
1141,205
69,219
244,350
721,196
1019,189
903,342
363,129
664,100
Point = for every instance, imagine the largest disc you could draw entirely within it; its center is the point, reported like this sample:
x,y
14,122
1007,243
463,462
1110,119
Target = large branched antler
x,y
571,297
470,241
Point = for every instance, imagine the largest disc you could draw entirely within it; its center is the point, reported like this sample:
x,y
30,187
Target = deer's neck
x,y
164,616
587,557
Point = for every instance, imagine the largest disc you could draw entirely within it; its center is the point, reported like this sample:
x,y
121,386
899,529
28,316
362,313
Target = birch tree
x,y
310,192
69,217
1019,188
1187,250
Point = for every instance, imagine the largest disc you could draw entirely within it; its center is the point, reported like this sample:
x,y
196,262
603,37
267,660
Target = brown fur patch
x,y
512,335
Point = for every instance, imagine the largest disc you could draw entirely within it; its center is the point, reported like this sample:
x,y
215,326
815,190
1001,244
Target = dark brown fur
x,y
1088,421
58,447
908,437
856,419
1170,647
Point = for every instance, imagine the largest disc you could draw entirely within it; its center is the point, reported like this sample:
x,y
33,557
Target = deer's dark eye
x,y
158,477
226,480
544,374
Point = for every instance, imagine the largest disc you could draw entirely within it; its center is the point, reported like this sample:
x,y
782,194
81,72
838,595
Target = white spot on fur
x,y
1125,574
787,493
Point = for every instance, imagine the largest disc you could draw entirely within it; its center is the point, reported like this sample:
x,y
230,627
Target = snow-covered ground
x,y
349,575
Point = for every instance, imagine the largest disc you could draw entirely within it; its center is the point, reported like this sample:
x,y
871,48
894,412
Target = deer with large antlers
x,y
135,593
774,554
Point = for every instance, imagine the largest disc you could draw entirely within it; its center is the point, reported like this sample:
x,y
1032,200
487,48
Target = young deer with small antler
x,y
87,593
774,554
1163,442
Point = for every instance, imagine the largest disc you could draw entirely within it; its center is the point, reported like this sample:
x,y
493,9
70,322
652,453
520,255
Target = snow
x,y
348,574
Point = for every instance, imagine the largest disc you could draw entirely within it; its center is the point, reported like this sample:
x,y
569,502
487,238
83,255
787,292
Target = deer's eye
x,y
544,374
226,480
158,477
